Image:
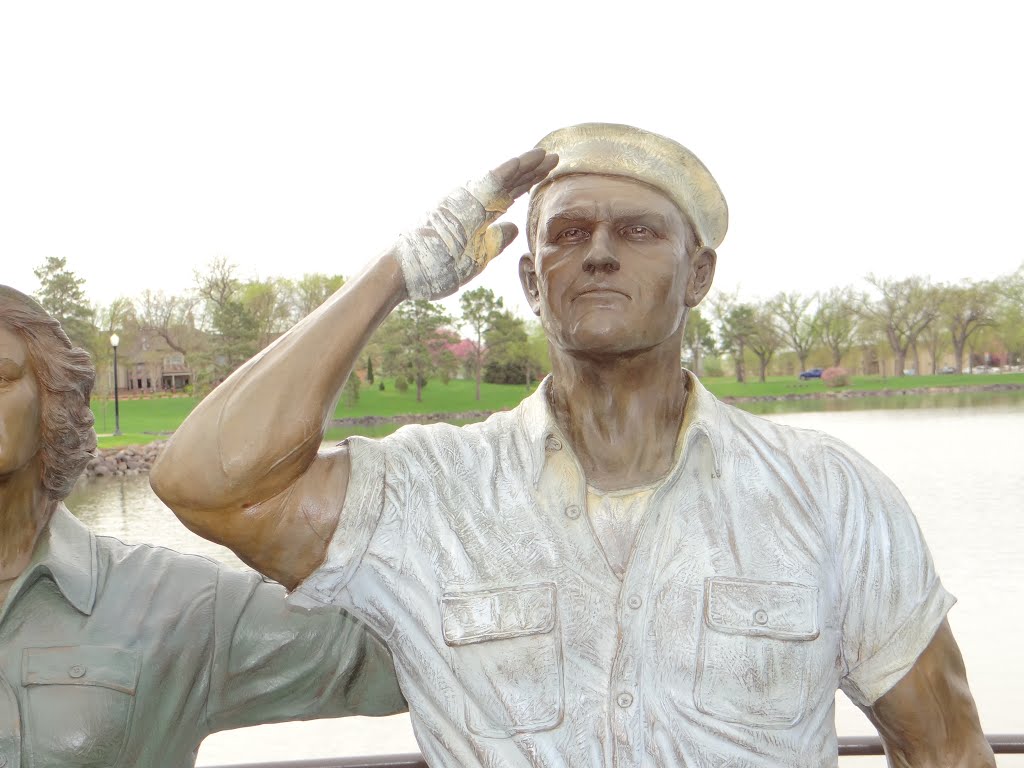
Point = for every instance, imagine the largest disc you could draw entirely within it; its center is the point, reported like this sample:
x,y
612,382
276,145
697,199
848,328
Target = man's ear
x,y
528,277
702,272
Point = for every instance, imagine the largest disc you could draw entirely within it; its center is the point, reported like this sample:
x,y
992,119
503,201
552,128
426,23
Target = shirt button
x,y
552,443
76,671
634,601
761,616
572,511
624,700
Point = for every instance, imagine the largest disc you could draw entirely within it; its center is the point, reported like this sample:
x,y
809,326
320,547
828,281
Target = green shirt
x,y
114,655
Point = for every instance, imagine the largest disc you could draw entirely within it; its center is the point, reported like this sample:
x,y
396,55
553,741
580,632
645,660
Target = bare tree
x,y
966,309
797,325
902,311
169,317
837,321
765,339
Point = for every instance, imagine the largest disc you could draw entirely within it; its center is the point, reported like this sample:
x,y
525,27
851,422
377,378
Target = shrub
x,y
381,386
401,384
835,377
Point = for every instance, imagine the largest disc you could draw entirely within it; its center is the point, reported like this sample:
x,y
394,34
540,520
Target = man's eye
x,y
638,232
573,234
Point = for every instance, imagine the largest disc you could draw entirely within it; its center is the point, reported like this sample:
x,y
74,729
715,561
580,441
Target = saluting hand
x,y
460,236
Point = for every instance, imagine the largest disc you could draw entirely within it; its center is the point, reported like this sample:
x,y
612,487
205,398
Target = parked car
x,y
947,369
813,373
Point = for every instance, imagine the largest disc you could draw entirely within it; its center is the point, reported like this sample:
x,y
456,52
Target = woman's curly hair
x,y
65,375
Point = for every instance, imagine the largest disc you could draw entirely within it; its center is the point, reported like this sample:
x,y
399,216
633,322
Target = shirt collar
x,y
701,420
66,551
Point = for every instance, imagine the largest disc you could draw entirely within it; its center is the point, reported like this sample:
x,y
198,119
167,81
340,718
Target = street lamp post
x,y
114,341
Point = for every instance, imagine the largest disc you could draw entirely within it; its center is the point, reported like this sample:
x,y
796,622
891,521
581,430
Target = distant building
x,y
147,364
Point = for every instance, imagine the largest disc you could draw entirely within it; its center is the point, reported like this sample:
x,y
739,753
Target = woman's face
x,y
20,405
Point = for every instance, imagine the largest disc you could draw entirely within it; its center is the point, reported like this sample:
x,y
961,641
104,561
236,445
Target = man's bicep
x,y
929,717
286,537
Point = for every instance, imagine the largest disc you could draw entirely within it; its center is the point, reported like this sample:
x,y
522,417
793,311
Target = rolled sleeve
x,y
893,599
360,514
272,662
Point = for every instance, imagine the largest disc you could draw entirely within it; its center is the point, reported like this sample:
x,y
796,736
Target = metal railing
x,y
849,746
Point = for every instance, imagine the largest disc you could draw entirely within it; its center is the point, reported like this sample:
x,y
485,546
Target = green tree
x,y
736,327
350,394
698,339
62,294
509,360
1009,314
234,329
269,303
311,290
537,342
479,309
369,370
411,339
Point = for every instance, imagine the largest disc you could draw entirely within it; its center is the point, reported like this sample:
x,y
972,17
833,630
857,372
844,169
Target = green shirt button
x,y
76,672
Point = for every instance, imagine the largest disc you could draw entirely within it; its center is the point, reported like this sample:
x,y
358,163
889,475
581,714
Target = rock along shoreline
x,y
138,459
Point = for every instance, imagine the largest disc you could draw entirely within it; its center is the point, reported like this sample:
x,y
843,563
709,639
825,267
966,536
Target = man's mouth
x,y
600,292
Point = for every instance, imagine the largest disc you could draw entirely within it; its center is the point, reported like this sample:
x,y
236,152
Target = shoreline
x,y
137,459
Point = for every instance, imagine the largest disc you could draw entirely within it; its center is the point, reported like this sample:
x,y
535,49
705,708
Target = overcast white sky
x,y
140,140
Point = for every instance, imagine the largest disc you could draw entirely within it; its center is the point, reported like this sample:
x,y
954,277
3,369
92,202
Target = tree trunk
x,y
740,373
803,360
901,362
419,387
837,357
958,355
764,368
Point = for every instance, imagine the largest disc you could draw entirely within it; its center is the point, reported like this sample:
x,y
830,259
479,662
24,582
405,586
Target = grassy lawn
x,y
143,421
457,396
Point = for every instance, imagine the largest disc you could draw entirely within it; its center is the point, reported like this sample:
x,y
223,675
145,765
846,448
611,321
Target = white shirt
x,y
774,566
616,516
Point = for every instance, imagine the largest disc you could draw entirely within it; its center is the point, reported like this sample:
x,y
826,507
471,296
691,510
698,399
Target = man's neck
x,y
620,414
25,509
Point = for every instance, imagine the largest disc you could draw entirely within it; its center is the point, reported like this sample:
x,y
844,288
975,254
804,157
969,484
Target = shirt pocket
x,y
507,652
752,662
79,704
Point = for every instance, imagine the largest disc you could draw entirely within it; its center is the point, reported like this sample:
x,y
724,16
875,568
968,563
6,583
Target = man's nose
x,y
601,254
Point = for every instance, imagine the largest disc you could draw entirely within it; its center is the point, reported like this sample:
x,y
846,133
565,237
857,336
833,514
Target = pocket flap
x,y
496,614
761,608
114,668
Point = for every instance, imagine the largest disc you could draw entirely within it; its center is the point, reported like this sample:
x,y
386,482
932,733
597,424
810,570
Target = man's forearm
x,y
260,429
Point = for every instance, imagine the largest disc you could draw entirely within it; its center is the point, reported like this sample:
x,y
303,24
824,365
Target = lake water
x,y
961,468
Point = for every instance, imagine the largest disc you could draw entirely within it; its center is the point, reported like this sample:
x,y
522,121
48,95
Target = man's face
x,y
20,406
611,265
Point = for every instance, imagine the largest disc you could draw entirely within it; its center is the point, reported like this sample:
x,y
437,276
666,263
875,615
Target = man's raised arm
x,y
245,468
